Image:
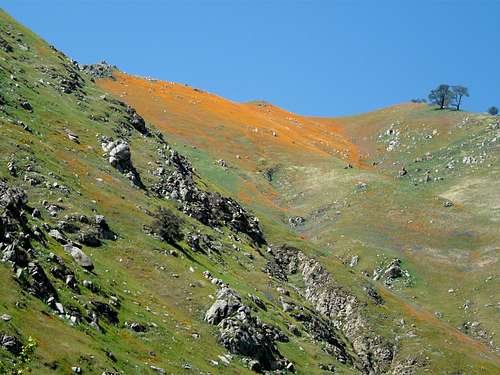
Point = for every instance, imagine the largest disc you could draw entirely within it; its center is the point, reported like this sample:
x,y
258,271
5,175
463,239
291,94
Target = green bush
x,y
167,226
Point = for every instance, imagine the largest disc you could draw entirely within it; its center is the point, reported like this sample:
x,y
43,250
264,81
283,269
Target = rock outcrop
x,y
120,157
177,182
99,70
242,333
374,352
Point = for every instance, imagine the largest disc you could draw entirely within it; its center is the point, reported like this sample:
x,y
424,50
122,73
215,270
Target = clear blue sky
x,y
311,57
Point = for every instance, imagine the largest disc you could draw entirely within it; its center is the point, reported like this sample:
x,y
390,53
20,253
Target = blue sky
x,y
322,58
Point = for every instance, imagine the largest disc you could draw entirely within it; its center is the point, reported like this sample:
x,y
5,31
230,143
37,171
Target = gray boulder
x,y
227,302
79,257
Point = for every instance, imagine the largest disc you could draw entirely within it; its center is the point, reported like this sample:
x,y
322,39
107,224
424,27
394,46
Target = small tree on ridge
x,y
441,96
458,93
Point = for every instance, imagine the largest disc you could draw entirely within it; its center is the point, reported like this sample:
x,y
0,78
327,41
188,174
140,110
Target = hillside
x,y
92,285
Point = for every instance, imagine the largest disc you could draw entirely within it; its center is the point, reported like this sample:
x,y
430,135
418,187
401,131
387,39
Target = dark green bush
x,y
167,226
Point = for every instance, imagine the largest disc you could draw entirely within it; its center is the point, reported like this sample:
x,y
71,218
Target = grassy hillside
x,y
407,164
142,308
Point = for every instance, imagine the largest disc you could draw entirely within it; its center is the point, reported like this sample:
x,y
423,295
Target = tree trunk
x,y
459,102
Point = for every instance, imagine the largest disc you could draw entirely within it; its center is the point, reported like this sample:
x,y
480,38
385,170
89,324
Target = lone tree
x,y
493,111
441,96
167,226
458,93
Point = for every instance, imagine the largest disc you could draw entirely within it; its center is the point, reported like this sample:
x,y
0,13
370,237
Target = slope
x,y
89,275
429,174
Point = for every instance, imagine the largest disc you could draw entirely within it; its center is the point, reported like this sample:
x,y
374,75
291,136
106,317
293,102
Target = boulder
x,y
227,302
11,343
79,256
103,310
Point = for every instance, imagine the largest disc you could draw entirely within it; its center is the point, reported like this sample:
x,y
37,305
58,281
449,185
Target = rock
x,y
158,370
255,366
26,105
5,317
40,285
243,334
15,254
296,221
258,302
103,310
76,370
73,137
136,121
209,208
5,46
328,368
89,285
448,204
120,158
136,327
227,302
294,329
373,294
354,261
11,343
282,291
373,353
79,257
99,70
59,307
103,230
36,214
89,238
393,271
58,236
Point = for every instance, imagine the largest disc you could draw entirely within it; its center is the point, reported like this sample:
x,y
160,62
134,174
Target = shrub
x,y
493,111
167,226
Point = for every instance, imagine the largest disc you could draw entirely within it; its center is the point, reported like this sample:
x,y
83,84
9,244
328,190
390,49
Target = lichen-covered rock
x,y
40,284
79,257
137,121
10,343
227,302
99,70
119,156
243,334
374,353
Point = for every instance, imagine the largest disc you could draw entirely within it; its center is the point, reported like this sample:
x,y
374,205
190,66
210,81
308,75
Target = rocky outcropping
x,y
10,343
99,70
15,243
243,334
120,157
177,182
136,121
89,231
374,353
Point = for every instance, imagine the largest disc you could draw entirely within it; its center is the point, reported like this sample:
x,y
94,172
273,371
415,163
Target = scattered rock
x,y
296,221
99,70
